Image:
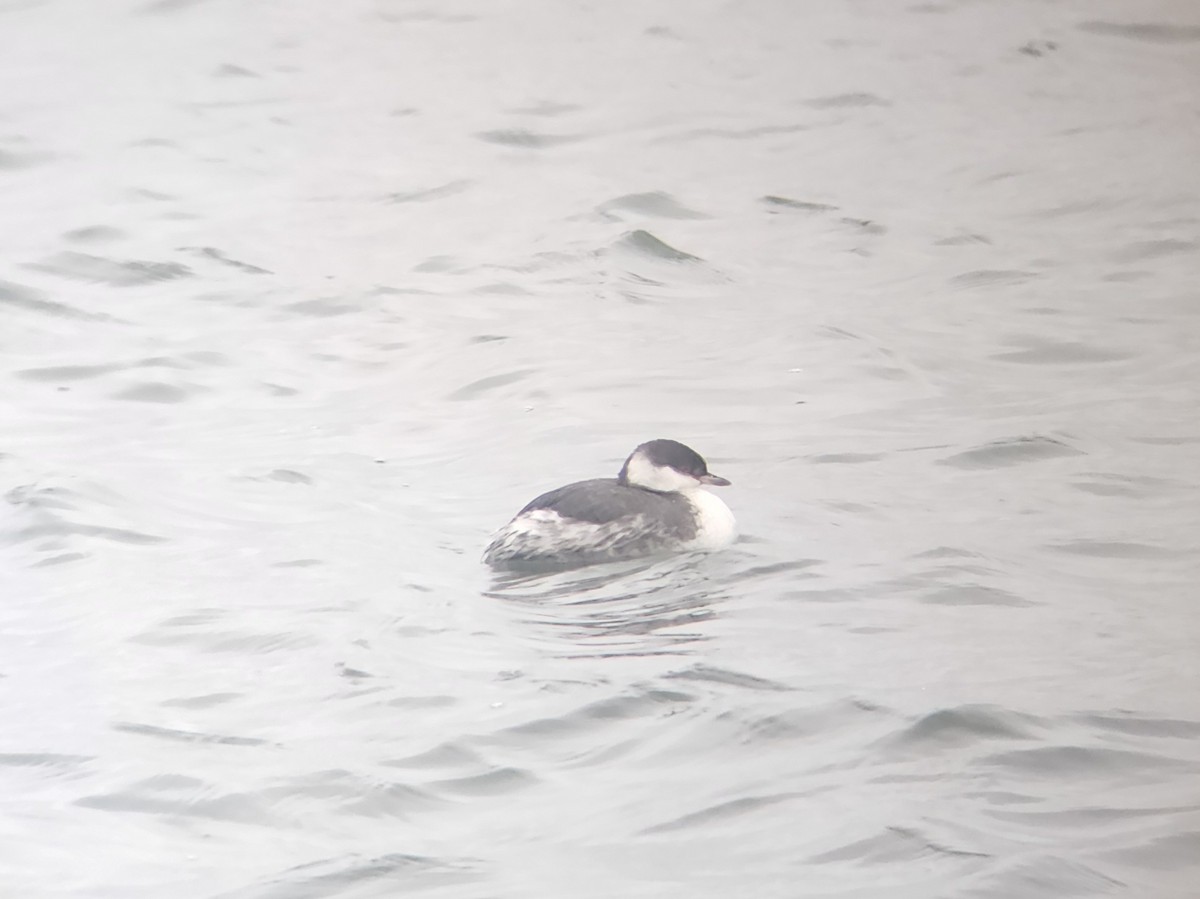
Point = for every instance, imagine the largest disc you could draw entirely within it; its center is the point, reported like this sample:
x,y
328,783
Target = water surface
x,y
301,301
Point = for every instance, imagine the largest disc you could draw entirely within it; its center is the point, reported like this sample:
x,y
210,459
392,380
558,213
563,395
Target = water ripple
x,y
1152,32
1011,451
947,729
896,844
394,873
643,243
657,204
525,140
97,269
26,298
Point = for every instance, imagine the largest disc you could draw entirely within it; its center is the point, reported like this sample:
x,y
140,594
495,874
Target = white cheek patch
x,y
643,473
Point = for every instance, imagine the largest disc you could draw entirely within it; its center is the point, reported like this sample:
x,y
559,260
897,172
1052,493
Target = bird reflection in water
x,y
633,608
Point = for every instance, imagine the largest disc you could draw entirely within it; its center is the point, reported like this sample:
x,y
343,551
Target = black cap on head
x,y
676,455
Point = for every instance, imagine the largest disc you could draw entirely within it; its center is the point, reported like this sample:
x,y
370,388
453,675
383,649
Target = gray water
x,y
301,300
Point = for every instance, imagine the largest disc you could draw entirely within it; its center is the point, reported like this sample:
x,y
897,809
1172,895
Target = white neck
x,y
716,527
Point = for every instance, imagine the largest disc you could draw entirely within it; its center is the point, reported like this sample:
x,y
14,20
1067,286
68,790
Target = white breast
x,y
715,525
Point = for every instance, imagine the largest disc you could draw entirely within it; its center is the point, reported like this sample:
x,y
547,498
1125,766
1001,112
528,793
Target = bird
x,y
656,504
